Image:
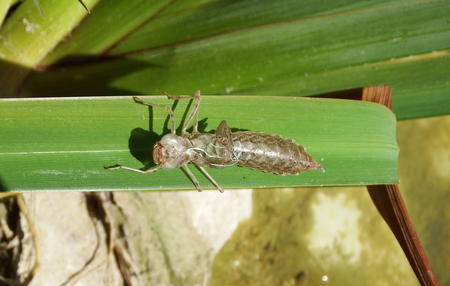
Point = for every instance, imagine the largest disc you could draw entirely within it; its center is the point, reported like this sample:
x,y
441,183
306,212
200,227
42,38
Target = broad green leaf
x,y
63,144
404,44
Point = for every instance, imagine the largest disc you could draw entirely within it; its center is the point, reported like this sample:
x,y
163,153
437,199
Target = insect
x,y
256,150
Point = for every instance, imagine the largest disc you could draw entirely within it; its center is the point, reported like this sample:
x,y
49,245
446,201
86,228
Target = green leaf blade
x,y
65,143
199,21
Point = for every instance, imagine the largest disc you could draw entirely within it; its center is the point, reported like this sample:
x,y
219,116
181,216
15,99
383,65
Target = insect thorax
x,y
210,151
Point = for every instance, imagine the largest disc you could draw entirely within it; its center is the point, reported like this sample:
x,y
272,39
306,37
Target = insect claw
x,y
169,96
197,187
138,100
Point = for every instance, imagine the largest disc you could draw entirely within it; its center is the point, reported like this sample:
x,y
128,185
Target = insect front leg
x,y
167,108
151,170
193,115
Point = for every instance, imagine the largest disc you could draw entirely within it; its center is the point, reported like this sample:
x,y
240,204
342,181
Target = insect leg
x,y
192,177
151,170
167,108
207,175
193,115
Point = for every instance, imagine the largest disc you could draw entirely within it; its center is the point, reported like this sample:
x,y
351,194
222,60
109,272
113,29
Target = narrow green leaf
x,y
178,24
63,144
179,6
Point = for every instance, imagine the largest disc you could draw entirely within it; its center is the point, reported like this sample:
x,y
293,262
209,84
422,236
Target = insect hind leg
x,y
192,177
193,115
167,108
210,178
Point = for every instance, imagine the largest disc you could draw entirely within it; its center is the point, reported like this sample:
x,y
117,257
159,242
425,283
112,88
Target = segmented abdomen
x,y
271,153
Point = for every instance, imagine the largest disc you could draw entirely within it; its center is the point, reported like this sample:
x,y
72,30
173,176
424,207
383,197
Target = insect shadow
x,y
3,187
141,141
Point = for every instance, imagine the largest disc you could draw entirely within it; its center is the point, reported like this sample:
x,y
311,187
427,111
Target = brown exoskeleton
x,y
256,150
